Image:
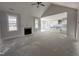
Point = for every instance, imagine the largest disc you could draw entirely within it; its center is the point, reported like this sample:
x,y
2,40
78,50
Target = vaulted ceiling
x,y
28,8
68,4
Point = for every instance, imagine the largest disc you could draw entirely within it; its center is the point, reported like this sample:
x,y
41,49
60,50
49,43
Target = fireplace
x,y
27,31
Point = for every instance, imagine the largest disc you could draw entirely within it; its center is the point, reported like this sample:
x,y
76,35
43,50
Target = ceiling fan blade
x,y
38,4
42,4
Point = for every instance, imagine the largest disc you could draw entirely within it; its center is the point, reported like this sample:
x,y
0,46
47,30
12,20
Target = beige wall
x,y
71,18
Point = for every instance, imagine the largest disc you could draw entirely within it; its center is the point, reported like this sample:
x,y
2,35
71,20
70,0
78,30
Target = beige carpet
x,y
43,44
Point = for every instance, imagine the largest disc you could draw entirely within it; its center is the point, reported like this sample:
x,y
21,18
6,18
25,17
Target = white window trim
x,y
8,22
36,24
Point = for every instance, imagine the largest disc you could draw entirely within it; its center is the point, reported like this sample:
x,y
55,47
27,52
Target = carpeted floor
x,y
41,44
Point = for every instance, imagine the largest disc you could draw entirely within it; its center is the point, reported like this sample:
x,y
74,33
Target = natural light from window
x,y
57,22
12,23
36,23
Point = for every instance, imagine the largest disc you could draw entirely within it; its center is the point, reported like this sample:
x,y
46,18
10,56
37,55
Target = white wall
x,y
0,39
26,21
0,32
26,10
4,25
77,31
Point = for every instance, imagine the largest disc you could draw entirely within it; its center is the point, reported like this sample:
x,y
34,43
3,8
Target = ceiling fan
x,y
38,4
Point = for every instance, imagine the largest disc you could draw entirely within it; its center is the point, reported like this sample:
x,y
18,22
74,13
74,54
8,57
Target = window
x,y
36,23
12,23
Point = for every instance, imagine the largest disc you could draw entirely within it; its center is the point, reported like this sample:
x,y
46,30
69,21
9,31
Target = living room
x,y
22,36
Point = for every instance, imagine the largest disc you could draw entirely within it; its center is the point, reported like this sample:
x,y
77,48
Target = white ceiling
x,y
24,7
68,4
27,8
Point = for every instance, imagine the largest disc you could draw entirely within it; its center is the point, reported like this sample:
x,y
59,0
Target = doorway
x,y
55,23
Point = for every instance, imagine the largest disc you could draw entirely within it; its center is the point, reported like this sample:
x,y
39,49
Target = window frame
x,y
36,23
15,23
